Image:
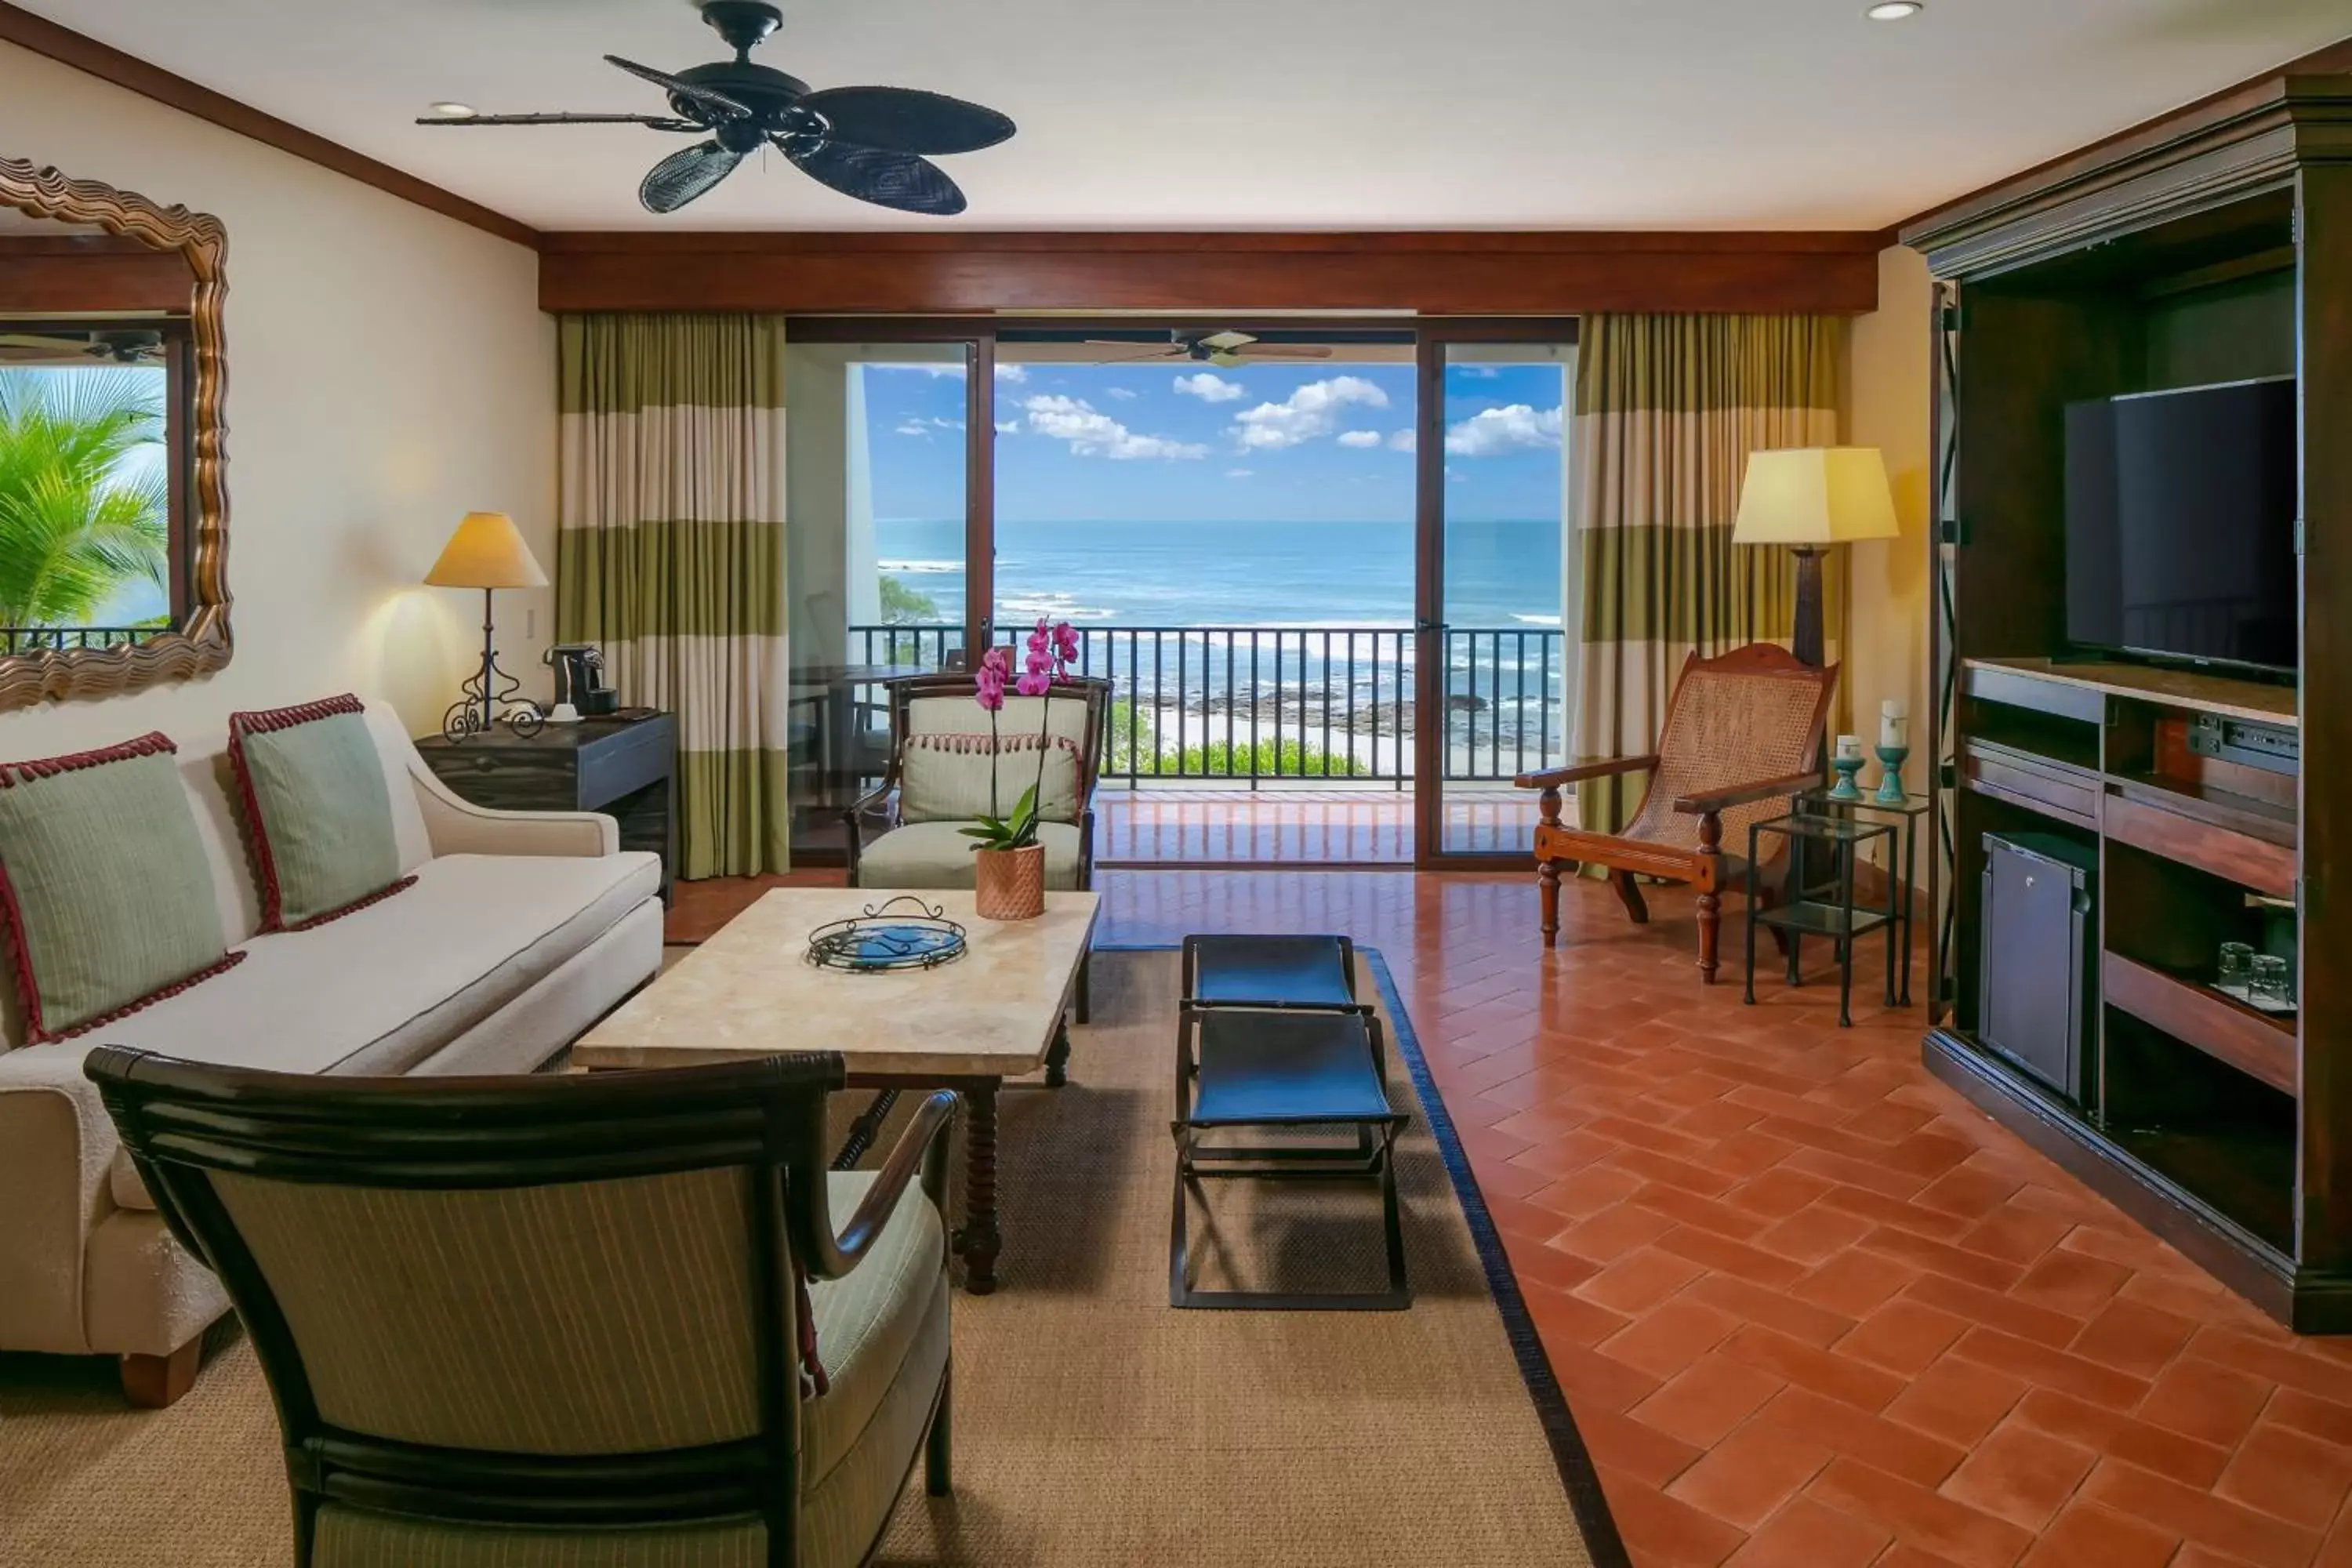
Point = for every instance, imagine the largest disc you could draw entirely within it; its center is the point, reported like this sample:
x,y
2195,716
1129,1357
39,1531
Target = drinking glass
x,y
2271,982
2237,966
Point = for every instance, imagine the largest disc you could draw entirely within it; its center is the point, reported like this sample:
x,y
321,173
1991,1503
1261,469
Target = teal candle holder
x,y
1890,783
1847,769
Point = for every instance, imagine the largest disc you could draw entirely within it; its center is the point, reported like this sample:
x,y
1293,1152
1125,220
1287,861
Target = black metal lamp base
x,y
485,691
1805,640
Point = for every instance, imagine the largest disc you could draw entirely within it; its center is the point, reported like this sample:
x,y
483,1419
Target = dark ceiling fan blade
x,y
656,121
903,119
899,180
684,175
721,106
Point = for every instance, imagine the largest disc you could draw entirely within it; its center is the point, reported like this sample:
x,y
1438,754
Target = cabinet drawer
x,y
625,764
2038,783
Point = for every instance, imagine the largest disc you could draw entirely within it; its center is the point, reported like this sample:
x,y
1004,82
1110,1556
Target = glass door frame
x,y
1432,337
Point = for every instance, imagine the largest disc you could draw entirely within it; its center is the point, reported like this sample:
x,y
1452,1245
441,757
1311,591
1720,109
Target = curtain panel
x,y
1667,409
670,555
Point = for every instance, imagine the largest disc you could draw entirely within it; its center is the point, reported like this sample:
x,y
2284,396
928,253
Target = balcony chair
x,y
1743,731
907,833
565,1318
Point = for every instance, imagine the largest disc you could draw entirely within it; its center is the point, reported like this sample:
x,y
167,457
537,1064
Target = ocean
x,y
1234,573
1287,585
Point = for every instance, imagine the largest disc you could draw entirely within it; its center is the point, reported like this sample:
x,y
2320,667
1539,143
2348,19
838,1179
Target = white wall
x,y
1890,393
388,371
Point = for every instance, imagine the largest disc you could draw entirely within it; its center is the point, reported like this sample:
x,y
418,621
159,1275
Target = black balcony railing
x,y
1255,703
66,640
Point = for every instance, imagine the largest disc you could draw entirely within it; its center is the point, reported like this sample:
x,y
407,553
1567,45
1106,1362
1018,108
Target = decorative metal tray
x,y
903,932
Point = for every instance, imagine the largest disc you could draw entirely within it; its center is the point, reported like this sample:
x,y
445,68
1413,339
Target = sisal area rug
x,y
1093,1424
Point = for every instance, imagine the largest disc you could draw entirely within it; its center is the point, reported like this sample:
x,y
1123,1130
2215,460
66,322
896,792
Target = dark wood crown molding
x,y
1448,273
2239,98
83,53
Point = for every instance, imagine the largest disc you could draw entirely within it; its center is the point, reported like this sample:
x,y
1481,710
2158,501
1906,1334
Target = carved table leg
x,y
1057,1056
1548,888
864,1130
979,1241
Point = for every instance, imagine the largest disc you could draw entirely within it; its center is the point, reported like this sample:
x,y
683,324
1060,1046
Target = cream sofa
x,y
521,929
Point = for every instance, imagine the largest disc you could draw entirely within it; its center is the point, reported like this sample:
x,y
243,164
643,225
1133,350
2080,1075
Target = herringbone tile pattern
x,y
1809,1308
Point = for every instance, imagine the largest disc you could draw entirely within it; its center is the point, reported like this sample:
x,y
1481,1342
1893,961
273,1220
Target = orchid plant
x,y
1052,647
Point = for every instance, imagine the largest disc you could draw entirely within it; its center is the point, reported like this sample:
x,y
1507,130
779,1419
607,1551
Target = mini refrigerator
x,y
2037,990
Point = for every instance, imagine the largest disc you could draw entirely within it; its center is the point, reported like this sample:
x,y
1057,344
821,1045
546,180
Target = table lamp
x,y
486,553
1810,497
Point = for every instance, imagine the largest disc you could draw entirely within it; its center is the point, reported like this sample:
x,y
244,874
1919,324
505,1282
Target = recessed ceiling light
x,y
1894,10
465,111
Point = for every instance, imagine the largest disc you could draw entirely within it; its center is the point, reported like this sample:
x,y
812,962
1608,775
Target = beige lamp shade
x,y
486,551
1816,495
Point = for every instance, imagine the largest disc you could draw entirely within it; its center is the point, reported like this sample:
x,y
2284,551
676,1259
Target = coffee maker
x,y
580,682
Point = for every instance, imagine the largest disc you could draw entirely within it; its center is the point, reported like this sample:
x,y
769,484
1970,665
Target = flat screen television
x,y
2180,510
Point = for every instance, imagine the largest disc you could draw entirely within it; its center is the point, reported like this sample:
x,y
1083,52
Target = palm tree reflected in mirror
x,y
85,514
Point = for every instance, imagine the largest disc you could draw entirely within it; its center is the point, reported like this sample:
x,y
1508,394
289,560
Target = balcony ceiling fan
x,y
1226,348
864,142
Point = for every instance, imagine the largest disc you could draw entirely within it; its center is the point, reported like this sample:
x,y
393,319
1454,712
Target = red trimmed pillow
x,y
319,810
104,886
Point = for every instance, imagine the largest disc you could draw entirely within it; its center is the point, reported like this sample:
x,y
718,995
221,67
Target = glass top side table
x,y
1824,909
1908,816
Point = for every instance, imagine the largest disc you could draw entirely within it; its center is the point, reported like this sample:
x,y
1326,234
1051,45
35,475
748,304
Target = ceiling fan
x,y
864,142
130,347
1227,348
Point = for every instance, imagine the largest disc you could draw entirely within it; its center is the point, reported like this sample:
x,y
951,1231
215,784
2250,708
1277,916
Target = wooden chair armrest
x,y
1552,778
921,1147
1706,803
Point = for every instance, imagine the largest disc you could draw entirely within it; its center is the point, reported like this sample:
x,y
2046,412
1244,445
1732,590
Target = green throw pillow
x,y
320,814
108,895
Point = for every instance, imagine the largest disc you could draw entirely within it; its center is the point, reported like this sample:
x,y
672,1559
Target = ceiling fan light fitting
x,y
449,110
1894,10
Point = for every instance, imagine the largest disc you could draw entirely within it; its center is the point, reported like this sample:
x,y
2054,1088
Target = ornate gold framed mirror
x,y
113,502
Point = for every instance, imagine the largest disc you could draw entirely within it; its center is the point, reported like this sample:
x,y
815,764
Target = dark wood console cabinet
x,y
626,770
2216,249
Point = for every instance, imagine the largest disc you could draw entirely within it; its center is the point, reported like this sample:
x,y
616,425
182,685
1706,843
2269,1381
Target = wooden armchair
x,y
898,842
605,1319
1742,731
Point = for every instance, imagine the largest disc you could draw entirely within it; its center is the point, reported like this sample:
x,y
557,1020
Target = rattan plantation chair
x,y
1743,731
907,833
560,1319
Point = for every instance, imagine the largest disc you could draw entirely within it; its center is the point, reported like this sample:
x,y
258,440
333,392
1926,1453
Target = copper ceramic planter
x,y
1009,884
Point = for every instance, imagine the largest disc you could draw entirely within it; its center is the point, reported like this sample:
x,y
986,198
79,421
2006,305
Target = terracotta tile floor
x,y
1809,1306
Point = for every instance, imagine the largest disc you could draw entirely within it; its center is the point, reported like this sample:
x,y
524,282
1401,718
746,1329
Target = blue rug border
x,y
1578,1475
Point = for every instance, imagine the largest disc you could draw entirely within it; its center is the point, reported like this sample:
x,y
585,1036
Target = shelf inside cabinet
x,y
2222,1027
2149,821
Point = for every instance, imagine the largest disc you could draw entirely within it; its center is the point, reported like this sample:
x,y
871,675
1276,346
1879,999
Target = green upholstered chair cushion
x,y
937,855
319,810
945,777
107,892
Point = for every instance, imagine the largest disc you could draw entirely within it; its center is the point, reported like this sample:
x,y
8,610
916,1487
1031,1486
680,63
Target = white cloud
x,y
1092,434
1008,427
1016,374
1404,440
1360,437
1309,412
1478,371
1122,393
1239,473
947,424
937,369
1516,427
1209,387
916,428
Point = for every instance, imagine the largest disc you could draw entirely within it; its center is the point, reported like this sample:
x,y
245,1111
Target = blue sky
x,y
1166,442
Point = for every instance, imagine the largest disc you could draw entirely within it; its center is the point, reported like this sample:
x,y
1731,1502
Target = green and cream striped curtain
x,y
1667,409
670,555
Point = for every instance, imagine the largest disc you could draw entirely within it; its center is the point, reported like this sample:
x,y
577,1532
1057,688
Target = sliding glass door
x,y
1497,645
880,569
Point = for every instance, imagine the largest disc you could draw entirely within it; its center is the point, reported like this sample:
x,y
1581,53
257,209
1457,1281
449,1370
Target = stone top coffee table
x,y
995,1012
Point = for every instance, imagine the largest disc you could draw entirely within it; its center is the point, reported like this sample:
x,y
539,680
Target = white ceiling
x,y
1265,113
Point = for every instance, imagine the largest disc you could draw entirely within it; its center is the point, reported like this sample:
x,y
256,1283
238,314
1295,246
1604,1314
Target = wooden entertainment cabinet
x,y
2217,247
